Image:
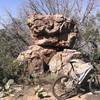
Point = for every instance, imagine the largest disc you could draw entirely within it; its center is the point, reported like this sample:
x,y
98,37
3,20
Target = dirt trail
x,y
29,95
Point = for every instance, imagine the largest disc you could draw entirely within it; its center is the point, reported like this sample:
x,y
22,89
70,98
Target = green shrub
x,y
8,67
97,57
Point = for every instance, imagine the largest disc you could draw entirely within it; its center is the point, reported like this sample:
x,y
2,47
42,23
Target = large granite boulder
x,y
60,62
53,30
36,58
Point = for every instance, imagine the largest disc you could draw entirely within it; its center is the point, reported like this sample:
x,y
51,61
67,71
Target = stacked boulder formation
x,y
53,38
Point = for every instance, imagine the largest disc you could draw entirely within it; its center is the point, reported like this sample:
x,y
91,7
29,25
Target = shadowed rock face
x,y
51,34
52,30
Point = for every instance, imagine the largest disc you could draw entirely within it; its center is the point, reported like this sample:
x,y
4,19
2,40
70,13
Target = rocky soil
x,y
29,94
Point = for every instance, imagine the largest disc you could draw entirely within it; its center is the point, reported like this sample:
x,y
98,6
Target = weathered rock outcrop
x,y
60,62
51,34
36,57
53,30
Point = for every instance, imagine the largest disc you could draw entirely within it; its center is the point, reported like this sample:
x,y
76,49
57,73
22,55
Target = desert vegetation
x,y
16,34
